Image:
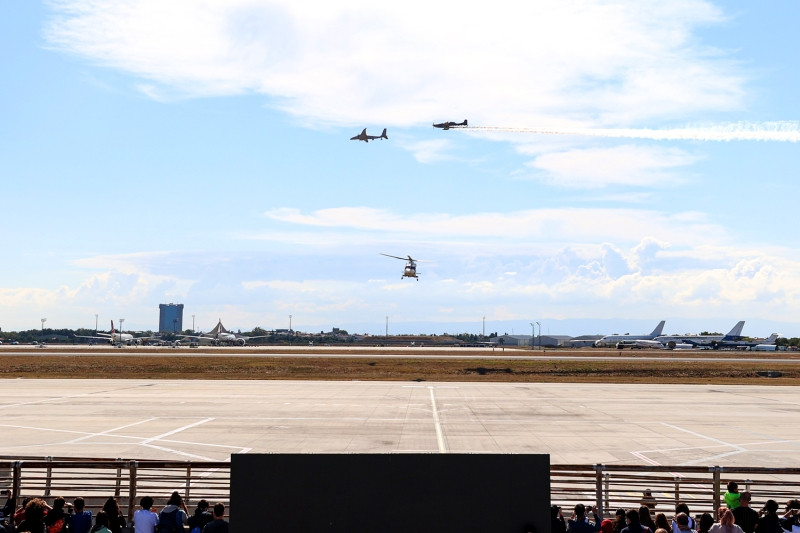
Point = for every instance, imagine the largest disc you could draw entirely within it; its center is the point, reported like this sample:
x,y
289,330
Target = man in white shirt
x,y
144,519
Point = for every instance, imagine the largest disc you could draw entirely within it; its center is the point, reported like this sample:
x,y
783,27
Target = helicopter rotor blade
x,y
400,258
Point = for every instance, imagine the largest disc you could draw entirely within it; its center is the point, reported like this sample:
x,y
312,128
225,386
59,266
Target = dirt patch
x,y
450,367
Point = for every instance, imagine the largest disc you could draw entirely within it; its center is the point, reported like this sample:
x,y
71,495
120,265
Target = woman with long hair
x,y
116,520
726,522
662,522
705,523
646,519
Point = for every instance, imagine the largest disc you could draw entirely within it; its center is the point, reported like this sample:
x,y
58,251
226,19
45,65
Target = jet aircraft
x,y
220,335
367,138
448,125
116,338
732,340
628,339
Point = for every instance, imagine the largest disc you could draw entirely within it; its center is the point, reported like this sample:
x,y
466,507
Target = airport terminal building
x,y
170,318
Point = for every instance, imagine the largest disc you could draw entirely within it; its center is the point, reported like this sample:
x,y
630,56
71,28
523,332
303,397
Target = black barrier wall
x,y
390,493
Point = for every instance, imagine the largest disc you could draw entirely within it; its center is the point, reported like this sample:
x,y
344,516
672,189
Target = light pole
x,y
192,323
43,321
290,324
387,325
121,320
484,327
96,316
540,335
533,335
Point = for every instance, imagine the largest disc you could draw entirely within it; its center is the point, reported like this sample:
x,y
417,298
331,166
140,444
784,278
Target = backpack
x,y
170,522
196,529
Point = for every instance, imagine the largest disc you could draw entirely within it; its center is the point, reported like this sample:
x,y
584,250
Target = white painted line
x,y
437,424
177,430
106,432
736,448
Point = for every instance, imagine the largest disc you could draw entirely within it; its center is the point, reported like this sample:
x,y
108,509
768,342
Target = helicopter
x,y
410,271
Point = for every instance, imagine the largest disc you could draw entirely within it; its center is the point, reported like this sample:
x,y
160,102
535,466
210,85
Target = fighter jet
x,y
366,138
448,125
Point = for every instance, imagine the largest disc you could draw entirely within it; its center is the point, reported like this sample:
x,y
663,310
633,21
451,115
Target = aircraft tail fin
x,y
383,135
737,330
112,327
465,122
772,338
659,328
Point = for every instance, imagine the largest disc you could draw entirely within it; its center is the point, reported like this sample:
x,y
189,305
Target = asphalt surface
x,y
574,423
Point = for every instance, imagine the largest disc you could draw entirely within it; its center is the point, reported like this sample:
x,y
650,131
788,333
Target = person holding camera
x,y
579,523
769,522
791,518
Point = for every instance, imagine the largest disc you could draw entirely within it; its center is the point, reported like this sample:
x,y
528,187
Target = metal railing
x,y
612,487
609,487
127,480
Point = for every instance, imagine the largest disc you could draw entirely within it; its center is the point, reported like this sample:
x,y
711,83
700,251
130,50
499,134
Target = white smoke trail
x,y
785,131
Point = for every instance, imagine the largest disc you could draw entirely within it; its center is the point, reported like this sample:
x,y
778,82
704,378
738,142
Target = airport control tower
x,y
170,318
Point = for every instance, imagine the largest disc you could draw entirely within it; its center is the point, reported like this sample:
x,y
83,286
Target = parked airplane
x,y
744,343
367,138
114,338
731,339
613,340
448,125
661,346
220,335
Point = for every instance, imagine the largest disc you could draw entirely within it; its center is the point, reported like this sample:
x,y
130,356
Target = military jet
x,y
448,125
366,138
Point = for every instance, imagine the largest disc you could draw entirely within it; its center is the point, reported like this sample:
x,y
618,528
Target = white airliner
x,y
732,338
613,340
661,346
220,335
116,338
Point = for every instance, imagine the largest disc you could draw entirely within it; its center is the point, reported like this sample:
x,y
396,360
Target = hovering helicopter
x,y
410,271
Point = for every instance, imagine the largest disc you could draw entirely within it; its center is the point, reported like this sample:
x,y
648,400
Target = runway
x,y
574,423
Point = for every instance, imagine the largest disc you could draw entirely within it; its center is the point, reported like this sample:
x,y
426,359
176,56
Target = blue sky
x,y
155,152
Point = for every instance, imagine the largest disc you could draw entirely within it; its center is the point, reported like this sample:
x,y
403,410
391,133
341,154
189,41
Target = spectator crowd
x,y
35,515
736,516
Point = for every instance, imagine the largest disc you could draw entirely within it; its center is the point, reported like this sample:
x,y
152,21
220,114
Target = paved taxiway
x,y
574,423
427,352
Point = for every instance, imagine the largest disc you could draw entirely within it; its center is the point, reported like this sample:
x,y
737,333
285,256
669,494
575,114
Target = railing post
x,y
118,487
716,488
677,490
16,483
607,491
133,465
49,476
188,482
598,488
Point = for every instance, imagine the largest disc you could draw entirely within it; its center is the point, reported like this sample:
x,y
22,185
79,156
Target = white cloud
x,y
572,225
619,165
405,63
429,151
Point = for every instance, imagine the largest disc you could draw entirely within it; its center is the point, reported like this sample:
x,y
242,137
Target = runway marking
x,y
43,400
737,449
108,431
177,430
437,424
